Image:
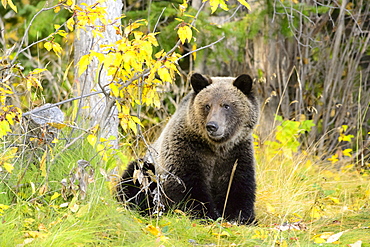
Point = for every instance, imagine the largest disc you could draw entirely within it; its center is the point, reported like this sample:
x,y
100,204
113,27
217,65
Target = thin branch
x,y
233,14
27,30
159,18
136,77
62,102
201,48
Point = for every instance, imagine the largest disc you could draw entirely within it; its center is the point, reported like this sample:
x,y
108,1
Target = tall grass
x,y
293,188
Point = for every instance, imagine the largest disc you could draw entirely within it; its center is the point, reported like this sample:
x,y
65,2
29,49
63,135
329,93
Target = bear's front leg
x,y
187,187
240,202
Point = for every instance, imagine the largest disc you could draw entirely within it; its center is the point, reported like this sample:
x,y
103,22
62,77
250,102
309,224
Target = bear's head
x,y
223,109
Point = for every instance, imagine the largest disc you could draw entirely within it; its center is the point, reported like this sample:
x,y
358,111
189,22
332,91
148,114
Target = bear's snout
x,y
215,131
212,127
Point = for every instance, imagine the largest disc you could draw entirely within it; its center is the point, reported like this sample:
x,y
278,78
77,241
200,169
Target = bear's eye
x,y
226,106
207,107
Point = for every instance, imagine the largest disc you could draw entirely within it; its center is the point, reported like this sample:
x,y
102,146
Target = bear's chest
x,y
217,170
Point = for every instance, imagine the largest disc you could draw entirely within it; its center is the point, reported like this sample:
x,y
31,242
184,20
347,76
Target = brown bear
x,y
204,156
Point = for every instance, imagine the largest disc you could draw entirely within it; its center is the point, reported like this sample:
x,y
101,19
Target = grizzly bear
x,y
203,160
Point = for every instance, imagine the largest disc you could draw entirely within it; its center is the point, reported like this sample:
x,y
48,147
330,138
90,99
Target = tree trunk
x,y
100,108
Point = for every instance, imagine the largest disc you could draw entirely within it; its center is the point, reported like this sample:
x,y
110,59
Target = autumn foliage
x,y
59,193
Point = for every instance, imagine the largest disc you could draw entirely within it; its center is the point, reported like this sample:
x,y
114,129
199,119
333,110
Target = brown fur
x,y
210,132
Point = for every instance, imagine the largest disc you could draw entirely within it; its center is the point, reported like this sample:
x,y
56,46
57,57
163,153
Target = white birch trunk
x,y
97,109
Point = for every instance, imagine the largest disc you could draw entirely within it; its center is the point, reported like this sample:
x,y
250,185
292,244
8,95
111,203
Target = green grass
x,y
292,189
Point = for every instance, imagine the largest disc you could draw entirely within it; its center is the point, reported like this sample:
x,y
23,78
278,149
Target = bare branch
x,y
201,48
27,30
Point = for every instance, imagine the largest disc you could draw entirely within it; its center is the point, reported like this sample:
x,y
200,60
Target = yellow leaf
x,y
319,240
11,5
56,9
152,39
70,24
194,53
164,75
163,53
83,64
32,81
57,125
43,164
8,167
153,230
137,120
95,128
48,46
183,7
333,199
55,196
243,2
347,152
10,117
132,27
57,49
92,140
178,211
315,213
4,207
184,33
4,128
54,141
98,55
71,3
132,125
215,3
333,158
115,89
62,33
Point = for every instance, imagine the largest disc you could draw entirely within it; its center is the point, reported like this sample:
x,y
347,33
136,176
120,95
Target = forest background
x,y
117,76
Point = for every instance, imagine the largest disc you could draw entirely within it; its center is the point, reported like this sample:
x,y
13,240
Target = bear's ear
x,y
198,82
244,83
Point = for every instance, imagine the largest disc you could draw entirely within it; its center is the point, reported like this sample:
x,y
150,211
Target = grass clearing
x,y
301,201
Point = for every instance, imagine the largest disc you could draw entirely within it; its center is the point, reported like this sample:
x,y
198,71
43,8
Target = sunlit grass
x,y
295,189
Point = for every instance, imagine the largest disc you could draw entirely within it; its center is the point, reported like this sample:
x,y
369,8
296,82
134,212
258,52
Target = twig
x,y
26,33
61,103
201,48
69,144
227,194
232,15
229,186
159,18
130,81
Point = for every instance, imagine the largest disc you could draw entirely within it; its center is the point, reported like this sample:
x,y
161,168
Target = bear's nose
x,y
212,127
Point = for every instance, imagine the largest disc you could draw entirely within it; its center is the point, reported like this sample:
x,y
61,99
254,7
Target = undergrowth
x,y
63,197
